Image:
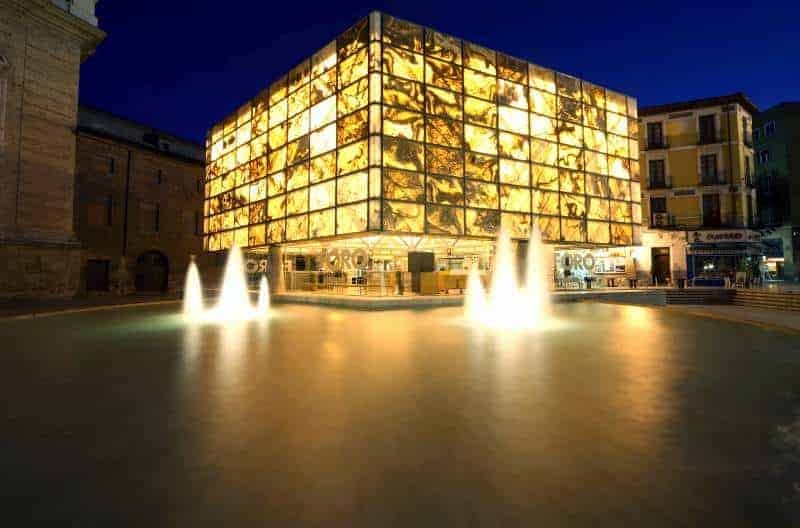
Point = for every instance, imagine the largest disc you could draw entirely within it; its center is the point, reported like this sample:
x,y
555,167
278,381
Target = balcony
x,y
720,221
717,177
662,221
708,138
653,185
729,220
656,144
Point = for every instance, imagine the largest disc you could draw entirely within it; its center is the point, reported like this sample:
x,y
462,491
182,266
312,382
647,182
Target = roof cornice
x,y
47,13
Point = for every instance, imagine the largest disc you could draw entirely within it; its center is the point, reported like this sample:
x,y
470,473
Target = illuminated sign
x,y
733,235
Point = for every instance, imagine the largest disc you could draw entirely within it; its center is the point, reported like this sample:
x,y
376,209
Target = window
x,y
658,212
769,128
149,218
708,169
99,213
655,135
656,173
764,156
747,171
756,134
159,177
746,133
111,165
658,205
708,129
711,210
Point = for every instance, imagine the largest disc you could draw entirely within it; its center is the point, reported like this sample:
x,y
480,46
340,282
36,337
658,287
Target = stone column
x,y
275,277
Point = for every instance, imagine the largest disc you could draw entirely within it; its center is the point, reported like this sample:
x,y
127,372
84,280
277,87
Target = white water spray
x,y
263,295
192,292
508,305
234,300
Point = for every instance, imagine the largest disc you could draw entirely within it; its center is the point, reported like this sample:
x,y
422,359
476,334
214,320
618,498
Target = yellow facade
x,y
706,178
397,128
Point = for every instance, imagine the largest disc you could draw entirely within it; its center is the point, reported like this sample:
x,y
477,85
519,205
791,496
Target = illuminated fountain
x,y
234,302
263,295
507,304
193,292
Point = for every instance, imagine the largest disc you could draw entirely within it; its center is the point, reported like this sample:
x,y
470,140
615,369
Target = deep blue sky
x,y
181,65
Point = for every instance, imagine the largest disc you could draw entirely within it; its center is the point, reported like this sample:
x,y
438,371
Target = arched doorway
x,y
152,272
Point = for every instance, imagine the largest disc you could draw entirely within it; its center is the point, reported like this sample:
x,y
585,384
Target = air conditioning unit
x,y
660,219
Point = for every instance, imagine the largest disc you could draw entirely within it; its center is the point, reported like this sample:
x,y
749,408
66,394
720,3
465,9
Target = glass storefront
x,y
594,268
385,265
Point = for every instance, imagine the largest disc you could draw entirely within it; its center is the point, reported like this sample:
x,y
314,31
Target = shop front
x,y
385,265
585,268
724,257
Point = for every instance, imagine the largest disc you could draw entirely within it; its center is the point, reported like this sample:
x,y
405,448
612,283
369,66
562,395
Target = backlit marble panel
x,y
445,190
403,217
445,220
449,134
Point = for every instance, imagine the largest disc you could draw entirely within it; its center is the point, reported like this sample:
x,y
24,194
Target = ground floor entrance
x,y
660,265
97,271
152,272
395,265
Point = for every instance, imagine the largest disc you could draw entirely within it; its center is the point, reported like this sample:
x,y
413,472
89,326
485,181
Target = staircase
x,y
767,299
699,296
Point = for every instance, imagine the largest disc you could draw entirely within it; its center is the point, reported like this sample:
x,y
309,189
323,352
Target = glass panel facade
x,y
395,127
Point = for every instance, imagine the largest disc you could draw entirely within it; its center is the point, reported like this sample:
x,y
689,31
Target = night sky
x,y
181,65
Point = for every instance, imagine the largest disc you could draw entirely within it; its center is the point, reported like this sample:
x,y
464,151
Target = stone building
x,y
42,45
138,204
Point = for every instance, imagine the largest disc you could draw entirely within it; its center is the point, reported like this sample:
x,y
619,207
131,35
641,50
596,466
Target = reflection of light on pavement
x,y
637,316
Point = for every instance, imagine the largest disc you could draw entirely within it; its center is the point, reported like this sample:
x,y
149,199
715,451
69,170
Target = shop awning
x,y
744,249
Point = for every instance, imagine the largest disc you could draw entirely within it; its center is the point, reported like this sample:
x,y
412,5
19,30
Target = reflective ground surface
x,y
322,417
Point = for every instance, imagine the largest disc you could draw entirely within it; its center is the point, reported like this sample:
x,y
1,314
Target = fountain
x,y
193,292
263,295
234,302
507,305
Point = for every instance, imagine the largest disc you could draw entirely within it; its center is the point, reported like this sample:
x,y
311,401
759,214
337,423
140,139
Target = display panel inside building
x,y
396,136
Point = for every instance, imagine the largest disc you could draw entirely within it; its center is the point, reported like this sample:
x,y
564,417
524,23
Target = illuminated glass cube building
x,y
394,133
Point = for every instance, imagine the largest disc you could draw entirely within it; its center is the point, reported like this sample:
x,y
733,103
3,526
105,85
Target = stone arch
x,y
152,272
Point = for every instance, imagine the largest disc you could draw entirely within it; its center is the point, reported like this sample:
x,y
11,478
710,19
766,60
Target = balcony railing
x,y
656,144
729,221
717,177
658,184
709,137
722,221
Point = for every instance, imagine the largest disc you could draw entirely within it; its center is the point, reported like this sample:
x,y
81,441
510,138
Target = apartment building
x,y
698,190
776,134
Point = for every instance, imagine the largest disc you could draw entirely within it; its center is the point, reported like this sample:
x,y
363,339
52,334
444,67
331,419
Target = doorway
x,y
659,258
96,275
152,272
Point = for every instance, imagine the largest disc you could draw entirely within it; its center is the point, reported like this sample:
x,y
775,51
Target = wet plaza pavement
x,y
618,415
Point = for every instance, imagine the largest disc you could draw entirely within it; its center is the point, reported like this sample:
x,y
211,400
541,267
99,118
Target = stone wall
x,y
153,179
44,47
